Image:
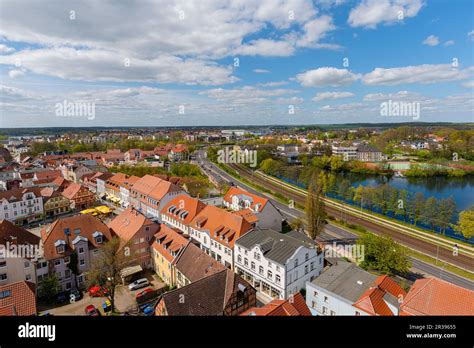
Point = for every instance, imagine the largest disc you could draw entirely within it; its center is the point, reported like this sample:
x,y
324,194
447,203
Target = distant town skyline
x,y
231,63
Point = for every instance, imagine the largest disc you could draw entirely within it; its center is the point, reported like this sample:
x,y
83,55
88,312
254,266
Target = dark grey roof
x,y
346,280
366,148
276,246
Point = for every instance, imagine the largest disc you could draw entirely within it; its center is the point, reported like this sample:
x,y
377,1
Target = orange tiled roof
x,y
174,242
295,307
154,187
85,224
372,301
18,299
128,223
233,191
223,226
183,203
433,296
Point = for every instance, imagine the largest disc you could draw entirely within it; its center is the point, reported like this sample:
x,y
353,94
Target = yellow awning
x,y
103,209
88,211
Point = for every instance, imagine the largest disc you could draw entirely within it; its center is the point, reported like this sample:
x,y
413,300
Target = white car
x,y
138,284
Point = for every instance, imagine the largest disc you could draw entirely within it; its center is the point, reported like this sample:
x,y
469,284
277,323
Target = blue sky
x,y
172,63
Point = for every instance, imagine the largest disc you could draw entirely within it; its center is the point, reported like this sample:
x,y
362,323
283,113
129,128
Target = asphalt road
x,y
336,233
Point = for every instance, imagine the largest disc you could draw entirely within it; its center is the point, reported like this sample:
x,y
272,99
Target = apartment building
x,y
267,216
346,289
150,194
80,234
21,205
279,265
216,231
180,211
19,249
136,233
80,196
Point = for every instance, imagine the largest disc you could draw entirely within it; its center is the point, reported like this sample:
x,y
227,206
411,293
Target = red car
x,y
97,291
91,311
141,293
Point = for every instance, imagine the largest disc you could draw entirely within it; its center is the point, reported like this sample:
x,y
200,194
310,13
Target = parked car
x,y
62,297
144,292
138,284
91,311
75,294
97,291
148,311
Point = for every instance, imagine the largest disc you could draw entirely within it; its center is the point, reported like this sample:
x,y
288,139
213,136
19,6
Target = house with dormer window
x,y
21,205
81,234
216,231
180,211
262,210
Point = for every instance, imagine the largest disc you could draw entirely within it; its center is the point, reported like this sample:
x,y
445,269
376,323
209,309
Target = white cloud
x,y
5,49
99,65
370,13
272,84
15,73
471,35
246,94
266,47
332,95
327,76
425,74
261,71
449,43
314,31
468,84
431,41
401,95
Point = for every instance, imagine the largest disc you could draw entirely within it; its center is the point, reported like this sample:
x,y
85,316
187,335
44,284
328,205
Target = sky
x,y
89,63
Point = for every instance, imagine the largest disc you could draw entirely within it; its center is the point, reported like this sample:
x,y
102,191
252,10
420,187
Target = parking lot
x,y
124,301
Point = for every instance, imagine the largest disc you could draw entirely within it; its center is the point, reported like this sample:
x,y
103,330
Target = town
x,y
158,222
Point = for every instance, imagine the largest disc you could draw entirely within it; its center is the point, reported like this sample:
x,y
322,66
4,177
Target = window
x,y
260,270
81,250
325,310
67,273
326,299
296,263
57,262
357,313
306,257
239,259
256,255
306,269
315,293
246,262
67,260
27,264
82,262
269,274
3,276
333,313
68,286
252,265
312,265
277,278
60,249
28,277
3,264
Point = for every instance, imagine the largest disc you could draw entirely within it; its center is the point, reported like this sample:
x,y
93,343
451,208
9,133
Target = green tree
x,y
314,209
49,287
466,223
383,254
106,267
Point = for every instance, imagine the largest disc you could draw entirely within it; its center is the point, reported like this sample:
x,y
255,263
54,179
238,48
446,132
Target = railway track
x,y
443,253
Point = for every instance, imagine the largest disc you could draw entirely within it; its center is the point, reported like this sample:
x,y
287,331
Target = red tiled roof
x,y
175,242
372,301
86,224
18,299
233,191
433,296
128,223
291,307
183,203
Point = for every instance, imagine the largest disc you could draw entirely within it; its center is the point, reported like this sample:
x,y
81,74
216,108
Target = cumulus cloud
x,y
425,74
332,95
266,47
449,43
327,76
431,41
15,73
4,49
100,65
261,71
471,35
370,13
272,84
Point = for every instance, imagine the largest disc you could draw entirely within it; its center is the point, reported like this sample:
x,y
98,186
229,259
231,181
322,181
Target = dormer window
x,y
98,237
60,246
